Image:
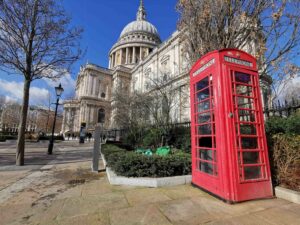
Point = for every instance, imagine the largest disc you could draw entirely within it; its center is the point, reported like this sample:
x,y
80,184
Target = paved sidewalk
x,y
66,192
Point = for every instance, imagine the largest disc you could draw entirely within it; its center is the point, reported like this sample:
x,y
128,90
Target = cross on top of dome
x,y
141,14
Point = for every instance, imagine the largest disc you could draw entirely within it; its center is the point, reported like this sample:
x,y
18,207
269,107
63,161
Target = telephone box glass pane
x,y
204,94
248,129
202,84
252,172
244,90
204,106
206,167
245,102
242,78
206,154
205,142
246,115
251,157
249,143
204,129
204,117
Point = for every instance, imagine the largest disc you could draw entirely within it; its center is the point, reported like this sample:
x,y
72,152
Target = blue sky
x,y
103,22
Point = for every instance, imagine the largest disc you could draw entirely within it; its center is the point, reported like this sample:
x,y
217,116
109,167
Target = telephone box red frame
x,y
229,150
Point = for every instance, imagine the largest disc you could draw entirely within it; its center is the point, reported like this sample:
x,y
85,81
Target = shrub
x,y
286,159
289,125
47,138
131,164
2,139
153,137
134,136
180,137
293,124
11,137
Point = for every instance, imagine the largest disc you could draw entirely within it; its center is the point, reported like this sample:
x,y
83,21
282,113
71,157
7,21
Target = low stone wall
x,y
145,181
287,194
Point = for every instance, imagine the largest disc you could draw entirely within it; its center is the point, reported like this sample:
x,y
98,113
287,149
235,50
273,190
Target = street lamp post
x,y
58,90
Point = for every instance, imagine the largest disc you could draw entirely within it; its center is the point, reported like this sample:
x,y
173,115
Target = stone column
x,y
141,49
82,114
89,86
121,56
84,85
133,55
115,58
63,121
109,63
126,59
87,113
95,86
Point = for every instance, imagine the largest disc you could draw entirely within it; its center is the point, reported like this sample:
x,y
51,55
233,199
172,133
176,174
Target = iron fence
x,y
282,108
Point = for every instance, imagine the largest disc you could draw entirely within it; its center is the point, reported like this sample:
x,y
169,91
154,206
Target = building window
x,y
102,95
101,116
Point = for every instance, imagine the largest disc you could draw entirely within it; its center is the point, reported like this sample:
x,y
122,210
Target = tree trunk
x,y
22,126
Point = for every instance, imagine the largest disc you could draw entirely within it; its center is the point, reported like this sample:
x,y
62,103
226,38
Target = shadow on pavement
x,y
36,156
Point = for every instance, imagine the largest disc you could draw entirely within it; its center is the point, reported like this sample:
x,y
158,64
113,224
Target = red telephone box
x,y
229,150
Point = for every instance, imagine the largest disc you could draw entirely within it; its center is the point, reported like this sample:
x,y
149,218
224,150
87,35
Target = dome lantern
x,y
141,14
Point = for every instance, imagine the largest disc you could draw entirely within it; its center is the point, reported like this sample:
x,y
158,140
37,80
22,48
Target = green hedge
x,y
11,137
131,164
2,139
289,125
56,138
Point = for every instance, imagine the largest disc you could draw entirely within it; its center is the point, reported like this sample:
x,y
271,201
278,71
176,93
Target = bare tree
x,y
11,115
269,30
166,97
129,109
35,38
2,103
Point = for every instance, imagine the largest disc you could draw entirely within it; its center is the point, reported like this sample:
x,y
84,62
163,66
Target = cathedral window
x,y
101,116
147,72
165,67
102,95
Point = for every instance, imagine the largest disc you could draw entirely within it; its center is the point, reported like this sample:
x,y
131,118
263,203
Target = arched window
x,y
101,116
102,95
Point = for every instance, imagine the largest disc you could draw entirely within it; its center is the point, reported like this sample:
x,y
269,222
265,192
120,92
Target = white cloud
x,y
288,89
14,91
66,81
10,99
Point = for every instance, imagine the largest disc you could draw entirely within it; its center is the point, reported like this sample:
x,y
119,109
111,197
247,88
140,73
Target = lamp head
x,y
59,90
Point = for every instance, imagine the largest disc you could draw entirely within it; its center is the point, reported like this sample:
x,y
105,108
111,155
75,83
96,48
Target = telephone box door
x,y
245,120
205,153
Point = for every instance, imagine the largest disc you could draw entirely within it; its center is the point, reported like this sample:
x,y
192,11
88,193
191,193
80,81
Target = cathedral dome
x,y
136,41
139,26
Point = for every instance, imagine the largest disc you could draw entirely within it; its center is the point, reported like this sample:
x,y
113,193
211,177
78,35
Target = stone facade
x,y
93,93
136,59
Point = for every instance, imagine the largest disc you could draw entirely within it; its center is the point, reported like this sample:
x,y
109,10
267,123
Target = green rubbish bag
x,y
163,151
144,151
148,152
140,150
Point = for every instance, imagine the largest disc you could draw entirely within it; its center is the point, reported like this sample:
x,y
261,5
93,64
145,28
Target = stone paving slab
x,y
145,196
9,177
148,214
54,198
